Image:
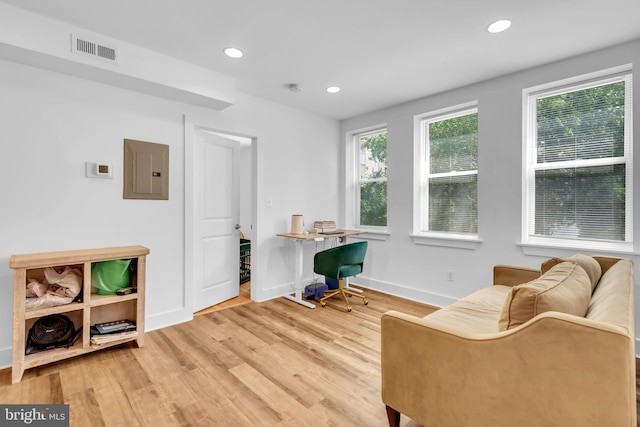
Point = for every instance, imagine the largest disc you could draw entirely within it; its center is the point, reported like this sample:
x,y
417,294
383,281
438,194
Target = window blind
x,y
579,174
450,194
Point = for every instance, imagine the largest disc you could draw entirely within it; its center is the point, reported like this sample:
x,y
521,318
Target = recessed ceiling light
x,y
233,52
499,26
333,89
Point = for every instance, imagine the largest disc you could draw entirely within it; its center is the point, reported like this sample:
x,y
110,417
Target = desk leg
x,y
346,284
299,260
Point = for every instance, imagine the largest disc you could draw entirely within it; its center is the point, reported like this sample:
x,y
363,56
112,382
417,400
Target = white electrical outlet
x,y
451,276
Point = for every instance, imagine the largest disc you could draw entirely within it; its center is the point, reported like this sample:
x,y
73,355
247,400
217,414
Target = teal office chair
x,y
340,263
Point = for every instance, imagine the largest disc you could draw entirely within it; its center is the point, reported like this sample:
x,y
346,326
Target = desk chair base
x,y
343,290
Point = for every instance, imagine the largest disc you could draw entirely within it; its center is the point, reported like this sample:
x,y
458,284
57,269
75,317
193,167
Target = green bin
x,y
109,276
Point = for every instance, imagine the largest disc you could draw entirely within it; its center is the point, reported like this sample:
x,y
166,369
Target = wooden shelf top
x,y
98,300
50,259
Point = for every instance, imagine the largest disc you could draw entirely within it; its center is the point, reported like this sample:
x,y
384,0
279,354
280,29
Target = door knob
x,y
237,226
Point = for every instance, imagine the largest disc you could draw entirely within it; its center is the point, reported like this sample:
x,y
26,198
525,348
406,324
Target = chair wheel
x,y
323,303
349,309
366,302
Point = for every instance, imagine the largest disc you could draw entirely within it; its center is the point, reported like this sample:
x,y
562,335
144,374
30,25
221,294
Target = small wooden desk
x,y
299,240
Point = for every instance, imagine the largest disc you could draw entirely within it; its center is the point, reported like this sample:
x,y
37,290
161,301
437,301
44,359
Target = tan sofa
x,y
476,363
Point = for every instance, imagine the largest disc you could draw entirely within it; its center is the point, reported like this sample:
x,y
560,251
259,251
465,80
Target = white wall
x,y
52,123
403,268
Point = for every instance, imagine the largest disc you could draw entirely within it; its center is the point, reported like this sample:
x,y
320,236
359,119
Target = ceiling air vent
x,y
85,47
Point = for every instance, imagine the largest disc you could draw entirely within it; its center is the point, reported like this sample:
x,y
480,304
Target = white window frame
x,y
353,182
535,244
421,235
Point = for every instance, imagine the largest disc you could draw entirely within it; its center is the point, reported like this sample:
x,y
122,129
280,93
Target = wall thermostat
x,y
98,170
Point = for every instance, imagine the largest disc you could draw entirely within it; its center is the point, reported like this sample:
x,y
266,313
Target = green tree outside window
x,y
373,179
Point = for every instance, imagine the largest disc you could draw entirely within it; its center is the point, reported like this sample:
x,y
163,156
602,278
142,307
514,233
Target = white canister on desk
x,y
297,224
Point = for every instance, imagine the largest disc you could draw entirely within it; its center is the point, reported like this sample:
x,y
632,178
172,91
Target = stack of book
x,y
112,338
111,332
324,226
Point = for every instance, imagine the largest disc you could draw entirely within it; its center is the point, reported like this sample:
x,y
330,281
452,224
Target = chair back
x,y
341,261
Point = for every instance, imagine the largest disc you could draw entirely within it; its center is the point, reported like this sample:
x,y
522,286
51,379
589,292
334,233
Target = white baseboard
x,y
282,290
413,294
6,357
418,295
168,318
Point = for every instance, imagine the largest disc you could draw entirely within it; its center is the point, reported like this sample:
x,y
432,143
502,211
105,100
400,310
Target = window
x,y
448,184
578,174
371,194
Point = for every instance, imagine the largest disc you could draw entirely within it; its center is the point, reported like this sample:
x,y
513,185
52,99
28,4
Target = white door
x,y
216,214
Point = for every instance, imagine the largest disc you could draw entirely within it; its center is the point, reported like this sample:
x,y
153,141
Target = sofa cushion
x,y
590,265
566,288
612,300
477,313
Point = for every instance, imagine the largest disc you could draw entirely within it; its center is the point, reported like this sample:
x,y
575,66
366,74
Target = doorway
x,y
219,212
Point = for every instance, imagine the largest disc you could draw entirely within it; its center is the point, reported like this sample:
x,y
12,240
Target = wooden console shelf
x,y
89,310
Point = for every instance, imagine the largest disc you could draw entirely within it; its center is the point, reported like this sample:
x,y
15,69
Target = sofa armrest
x,y
556,369
510,276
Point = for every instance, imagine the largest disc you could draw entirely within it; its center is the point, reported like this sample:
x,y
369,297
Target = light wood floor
x,y
275,363
269,364
243,298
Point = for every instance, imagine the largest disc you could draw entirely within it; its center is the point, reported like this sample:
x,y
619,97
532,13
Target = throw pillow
x,y
566,288
590,265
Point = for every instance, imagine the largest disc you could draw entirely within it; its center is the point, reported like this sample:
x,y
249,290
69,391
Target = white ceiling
x,y
380,52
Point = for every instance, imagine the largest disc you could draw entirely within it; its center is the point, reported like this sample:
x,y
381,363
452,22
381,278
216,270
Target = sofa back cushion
x,y
612,301
590,265
566,288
